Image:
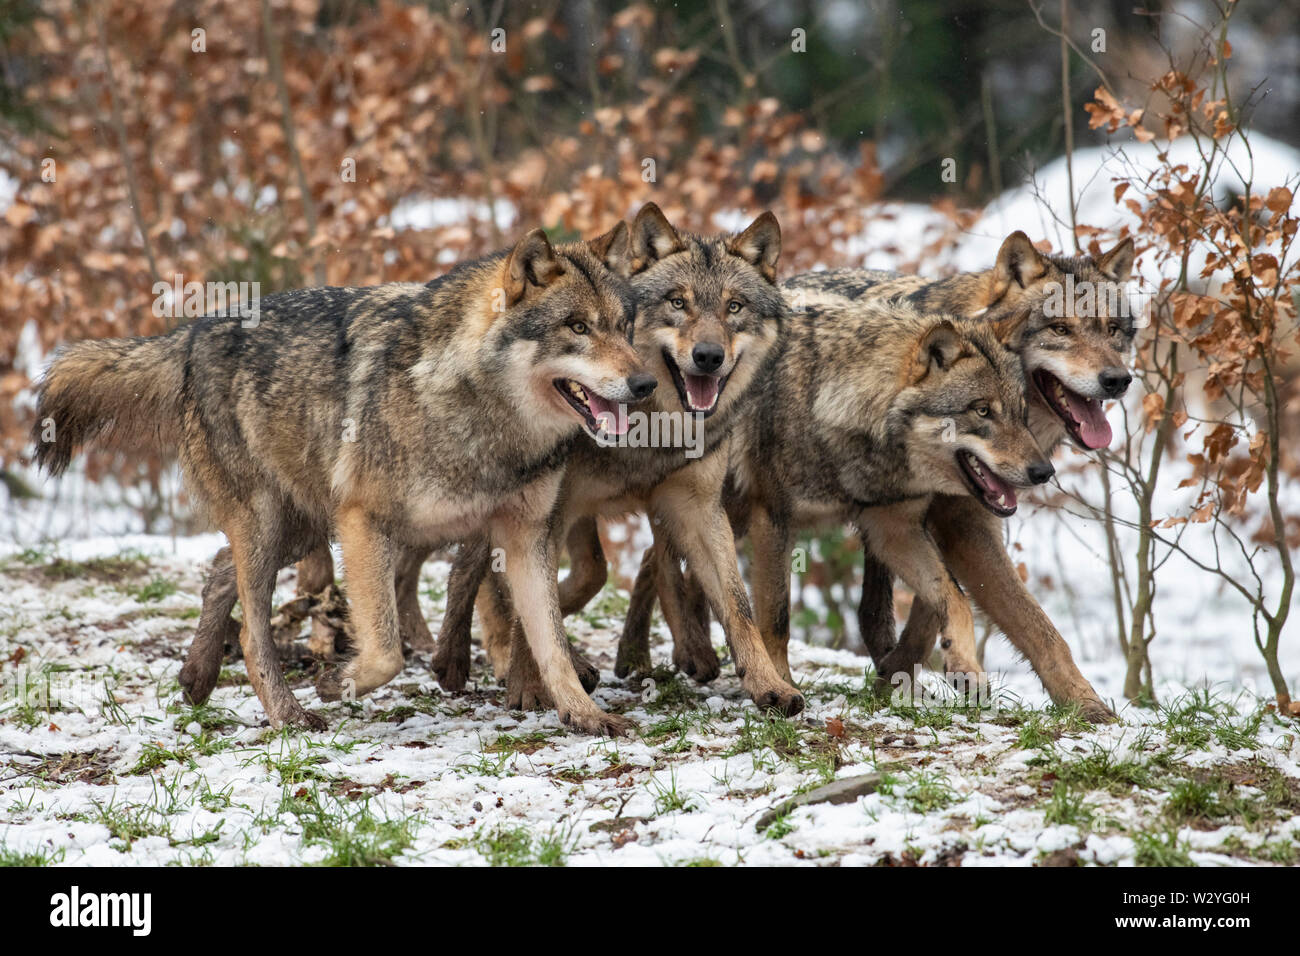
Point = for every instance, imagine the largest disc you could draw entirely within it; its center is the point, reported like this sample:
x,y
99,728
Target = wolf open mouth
x,y
994,493
599,415
1084,418
699,393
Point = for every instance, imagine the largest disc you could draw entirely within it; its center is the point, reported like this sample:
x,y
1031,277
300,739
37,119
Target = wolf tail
x,y
124,392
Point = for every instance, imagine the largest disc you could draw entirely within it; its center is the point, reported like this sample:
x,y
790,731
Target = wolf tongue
x,y
606,414
1094,430
995,487
701,391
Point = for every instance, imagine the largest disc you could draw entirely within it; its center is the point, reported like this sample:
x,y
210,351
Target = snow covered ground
x,y
102,763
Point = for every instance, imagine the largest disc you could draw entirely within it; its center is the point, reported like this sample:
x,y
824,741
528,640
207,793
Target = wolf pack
x,y
489,411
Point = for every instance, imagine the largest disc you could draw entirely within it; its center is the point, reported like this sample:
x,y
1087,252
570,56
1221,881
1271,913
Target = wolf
x,y
709,313
1072,359
391,418
872,409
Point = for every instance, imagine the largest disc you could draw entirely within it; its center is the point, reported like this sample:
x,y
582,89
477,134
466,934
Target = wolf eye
x,y
1060,328
1115,328
677,302
579,328
982,409
733,306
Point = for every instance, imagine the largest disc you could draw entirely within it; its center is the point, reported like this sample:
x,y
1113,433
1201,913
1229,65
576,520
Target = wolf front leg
x,y
897,534
369,564
693,521
972,546
771,538
530,563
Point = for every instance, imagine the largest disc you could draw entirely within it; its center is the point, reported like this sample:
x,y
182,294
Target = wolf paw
x,y
451,666
295,715
527,695
588,673
697,660
1095,712
197,679
785,700
597,723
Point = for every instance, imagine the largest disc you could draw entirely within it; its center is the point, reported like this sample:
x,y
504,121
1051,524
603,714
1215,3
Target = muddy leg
x,y
634,642
876,608
686,612
451,655
254,547
588,571
216,628
410,619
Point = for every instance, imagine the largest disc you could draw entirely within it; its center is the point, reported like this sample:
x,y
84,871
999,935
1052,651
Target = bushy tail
x,y
123,392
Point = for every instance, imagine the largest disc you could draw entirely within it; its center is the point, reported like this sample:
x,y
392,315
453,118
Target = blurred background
x,y
300,142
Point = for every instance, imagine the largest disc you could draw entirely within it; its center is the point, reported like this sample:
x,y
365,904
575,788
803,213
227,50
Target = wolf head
x,y
963,399
708,307
566,328
1067,318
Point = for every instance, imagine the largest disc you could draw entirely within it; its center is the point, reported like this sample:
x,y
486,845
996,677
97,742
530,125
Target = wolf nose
x,y
708,356
1040,471
641,385
1114,381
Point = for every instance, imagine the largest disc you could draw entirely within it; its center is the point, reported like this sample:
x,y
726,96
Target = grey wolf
x,y
391,418
1073,361
709,313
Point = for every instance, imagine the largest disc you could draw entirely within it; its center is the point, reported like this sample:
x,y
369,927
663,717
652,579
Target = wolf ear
x,y
1118,263
938,350
760,245
614,248
532,262
1018,262
653,237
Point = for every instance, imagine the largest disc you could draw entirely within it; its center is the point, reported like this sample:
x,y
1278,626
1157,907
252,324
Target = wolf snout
x,y
641,385
1040,471
1114,381
708,356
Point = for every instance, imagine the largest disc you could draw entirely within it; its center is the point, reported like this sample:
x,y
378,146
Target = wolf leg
x,y
876,608
369,566
496,615
972,544
772,539
215,629
634,643
451,653
899,533
410,619
316,574
685,610
588,572
254,546
697,528
530,573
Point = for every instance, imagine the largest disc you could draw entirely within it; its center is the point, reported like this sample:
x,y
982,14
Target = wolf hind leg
x,y
451,653
410,619
588,572
686,611
633,656
216,629
256,548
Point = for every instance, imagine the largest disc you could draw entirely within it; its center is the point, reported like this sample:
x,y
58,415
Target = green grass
x,y
1067,807
349,830
518,846
668,799
1161,848
38,857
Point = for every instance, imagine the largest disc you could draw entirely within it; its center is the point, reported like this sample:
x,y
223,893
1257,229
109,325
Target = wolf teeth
x,y
1002,500
577,390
